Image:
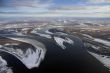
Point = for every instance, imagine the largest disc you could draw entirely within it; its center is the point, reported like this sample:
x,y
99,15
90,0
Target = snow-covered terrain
x,y
107,43
55,32
41,34
3,66
86,35
102,58
52,34
48,32
61,41
93,46
31,58
0,46
44,35
102,41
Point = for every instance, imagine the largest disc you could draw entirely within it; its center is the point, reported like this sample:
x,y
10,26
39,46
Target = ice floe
x,y
60,41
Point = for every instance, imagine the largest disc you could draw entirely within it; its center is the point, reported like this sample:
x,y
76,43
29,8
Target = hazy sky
x,y
43,8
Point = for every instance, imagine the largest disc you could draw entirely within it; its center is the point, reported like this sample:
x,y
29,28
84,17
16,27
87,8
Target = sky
x,y
55,8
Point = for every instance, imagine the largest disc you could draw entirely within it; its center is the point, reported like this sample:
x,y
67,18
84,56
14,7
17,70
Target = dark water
x,y
74,59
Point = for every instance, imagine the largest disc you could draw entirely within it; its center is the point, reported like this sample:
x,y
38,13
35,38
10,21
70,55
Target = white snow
x,y
2,61
29,58
60,41
41,34
86,35
95,47
3,66
10,44
44,35
48,32
18,33
60,33
103,59
107,43
33,59
34,31
25,29
1,46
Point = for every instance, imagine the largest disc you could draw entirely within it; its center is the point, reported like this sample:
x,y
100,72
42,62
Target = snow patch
x,y
60,33
40,34
107,43
95,47
33,58
1,46
60,41
3,66
29,58
48,32
102,58
34,31
87,36
44,35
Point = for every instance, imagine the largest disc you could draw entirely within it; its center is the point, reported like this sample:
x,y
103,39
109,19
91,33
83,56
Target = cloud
x,y
57,15
84,9
76,11
27,3
99,1
88,8
25,6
